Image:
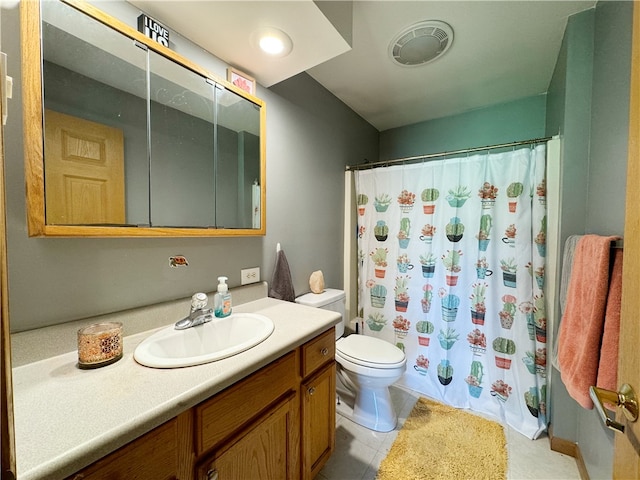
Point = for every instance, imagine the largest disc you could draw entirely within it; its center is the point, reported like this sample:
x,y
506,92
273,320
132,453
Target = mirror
x,y
123,137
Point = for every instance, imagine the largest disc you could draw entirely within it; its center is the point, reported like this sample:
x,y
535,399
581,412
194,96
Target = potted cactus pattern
x,y
541,361
482,268
478,308
509,270
531,399
424,328
539,276
477,341
406,199
404,263
500,390
445,372
448,338
474,380
376,321
382,202
454,230
426,299
428,263
401,326
505,346
458,196
429,197
540,318
542,403
508,312
527,309
514,190
422,364
529,361
541,238
483,233
402,293
449,303
510,235
381,230
362,201
403,234
488,194
541,192
379,258
378,294
428,231
451,261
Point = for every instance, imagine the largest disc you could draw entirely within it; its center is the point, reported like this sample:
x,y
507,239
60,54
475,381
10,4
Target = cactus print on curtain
x,y
451,260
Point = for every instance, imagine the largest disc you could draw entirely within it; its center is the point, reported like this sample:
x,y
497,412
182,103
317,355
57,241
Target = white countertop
x,y
67,418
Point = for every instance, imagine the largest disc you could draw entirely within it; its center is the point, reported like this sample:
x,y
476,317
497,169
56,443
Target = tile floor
x,y
359,451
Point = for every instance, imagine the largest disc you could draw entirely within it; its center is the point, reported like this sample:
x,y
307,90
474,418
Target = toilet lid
x,y
365,350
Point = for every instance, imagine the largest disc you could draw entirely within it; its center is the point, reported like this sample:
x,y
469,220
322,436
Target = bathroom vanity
x,y
268,412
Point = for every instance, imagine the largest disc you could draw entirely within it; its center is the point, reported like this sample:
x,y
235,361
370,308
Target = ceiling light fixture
x,y
272,41
421,43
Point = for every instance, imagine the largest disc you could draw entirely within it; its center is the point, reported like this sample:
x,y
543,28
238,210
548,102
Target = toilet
x,y
366,367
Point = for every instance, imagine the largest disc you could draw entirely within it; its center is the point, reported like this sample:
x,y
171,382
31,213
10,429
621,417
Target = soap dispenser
x,y
222,299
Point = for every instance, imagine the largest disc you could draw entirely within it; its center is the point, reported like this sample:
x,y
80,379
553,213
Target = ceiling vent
x,y
421,43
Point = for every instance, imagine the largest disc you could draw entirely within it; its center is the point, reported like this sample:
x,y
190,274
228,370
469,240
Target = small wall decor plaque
x,y
178,261
241,80
154,30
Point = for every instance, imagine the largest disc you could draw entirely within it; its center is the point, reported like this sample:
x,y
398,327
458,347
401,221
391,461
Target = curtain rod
x,y
364,166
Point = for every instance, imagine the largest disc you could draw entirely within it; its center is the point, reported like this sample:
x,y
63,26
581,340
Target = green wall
x,y
522,119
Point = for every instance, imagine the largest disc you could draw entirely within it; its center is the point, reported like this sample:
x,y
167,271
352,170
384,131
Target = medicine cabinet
x,y
124,137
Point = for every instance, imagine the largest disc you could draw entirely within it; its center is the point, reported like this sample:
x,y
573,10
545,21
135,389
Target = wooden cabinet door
x,y
266,451
153,456
318,419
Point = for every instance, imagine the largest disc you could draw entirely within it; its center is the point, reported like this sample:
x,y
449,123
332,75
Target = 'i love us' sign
x,y
154,30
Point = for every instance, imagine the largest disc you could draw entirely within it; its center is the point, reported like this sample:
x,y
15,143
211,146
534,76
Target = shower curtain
x,y
451,260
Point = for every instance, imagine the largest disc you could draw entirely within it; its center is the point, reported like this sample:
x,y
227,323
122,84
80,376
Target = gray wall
x,y
589,101
311,136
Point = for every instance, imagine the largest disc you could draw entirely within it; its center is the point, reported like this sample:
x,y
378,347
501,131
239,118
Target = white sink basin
x,y
217,339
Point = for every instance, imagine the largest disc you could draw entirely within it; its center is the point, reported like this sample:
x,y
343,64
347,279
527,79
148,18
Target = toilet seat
x,y
370,352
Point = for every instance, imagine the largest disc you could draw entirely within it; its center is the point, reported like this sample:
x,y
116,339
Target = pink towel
x,y
608,366
582,325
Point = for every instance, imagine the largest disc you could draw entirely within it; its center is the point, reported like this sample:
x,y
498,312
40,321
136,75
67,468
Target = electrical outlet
x,y
249,275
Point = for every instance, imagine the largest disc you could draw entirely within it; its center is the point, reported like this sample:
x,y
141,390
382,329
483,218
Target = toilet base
x,y
374,410
370,407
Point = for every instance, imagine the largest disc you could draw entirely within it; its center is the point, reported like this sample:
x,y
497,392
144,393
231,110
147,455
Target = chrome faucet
x,y
198,314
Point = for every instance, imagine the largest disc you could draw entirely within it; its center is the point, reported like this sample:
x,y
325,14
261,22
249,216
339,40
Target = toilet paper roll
x,y
316,282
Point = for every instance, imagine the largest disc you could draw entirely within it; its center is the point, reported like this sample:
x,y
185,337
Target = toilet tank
x,y
330,299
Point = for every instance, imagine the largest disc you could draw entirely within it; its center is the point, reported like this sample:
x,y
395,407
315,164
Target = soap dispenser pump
x,y
222,299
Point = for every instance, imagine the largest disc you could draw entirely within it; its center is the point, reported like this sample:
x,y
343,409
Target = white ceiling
x,y
502,50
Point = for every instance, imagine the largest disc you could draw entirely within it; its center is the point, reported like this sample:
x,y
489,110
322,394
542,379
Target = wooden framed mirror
x,y
126,138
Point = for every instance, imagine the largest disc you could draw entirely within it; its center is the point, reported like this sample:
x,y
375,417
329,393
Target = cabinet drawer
x,y
229,410
318,351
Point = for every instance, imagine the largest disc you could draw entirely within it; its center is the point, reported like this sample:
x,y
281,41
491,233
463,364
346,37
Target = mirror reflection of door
x,y
84,173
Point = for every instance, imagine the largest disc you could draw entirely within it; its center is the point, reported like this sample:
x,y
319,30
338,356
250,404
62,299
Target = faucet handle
x,y
198,301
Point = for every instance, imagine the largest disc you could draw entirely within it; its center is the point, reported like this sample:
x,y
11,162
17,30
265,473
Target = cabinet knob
x,y
324,351
212,474
312,390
